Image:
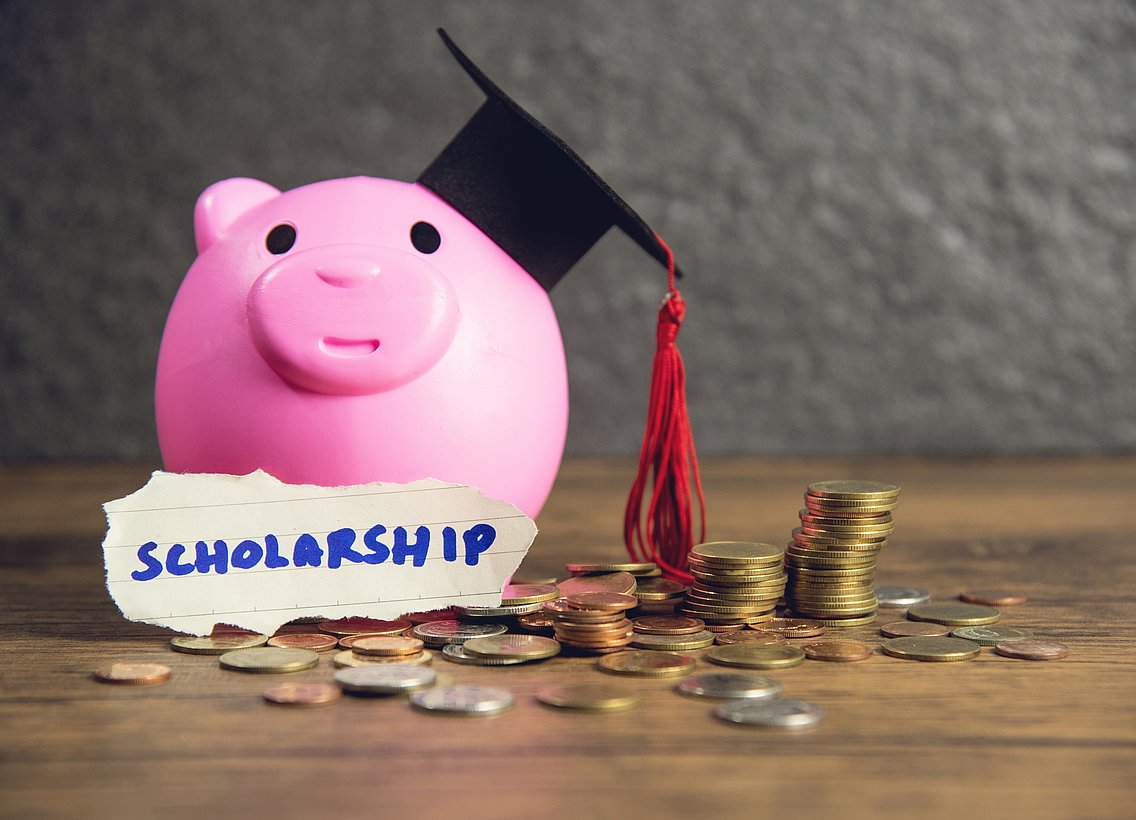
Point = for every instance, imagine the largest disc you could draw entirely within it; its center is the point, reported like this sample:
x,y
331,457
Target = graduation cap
x,y
525,189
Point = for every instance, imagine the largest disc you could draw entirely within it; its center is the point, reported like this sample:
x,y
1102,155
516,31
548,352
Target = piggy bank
x,y
359,330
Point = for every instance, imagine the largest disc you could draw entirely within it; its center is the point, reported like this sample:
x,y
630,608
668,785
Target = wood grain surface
x,y
987,738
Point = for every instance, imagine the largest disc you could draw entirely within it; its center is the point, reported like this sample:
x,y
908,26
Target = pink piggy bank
x,y
361,330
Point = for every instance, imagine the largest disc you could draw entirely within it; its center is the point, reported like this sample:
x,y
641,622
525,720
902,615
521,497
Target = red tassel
x,y
668,461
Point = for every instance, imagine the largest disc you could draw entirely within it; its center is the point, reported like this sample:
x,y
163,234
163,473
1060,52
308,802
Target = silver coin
x,y
901,596
729,685
440,633
457,653
497,611
463,700
990,635
794,714
388,679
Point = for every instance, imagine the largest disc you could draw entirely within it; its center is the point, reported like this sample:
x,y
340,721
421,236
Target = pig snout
x,y
352,319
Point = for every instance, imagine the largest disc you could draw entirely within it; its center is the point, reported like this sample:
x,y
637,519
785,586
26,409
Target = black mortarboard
x,y
526,189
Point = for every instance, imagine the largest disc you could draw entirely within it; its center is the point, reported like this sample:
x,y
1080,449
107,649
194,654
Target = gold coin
x,y
829,506
853,490
528,647
605,582
216,644
303,694
658,589
914,629
588,697
792,627
931,649
747,637
517,594
848,621
349,658
269,660
312,641
807,515
133,674
953,613
755,655
611,566
386,646
644,663
733,553
672,643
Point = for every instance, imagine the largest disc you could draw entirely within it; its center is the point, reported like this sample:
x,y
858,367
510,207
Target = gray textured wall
x,y
909,226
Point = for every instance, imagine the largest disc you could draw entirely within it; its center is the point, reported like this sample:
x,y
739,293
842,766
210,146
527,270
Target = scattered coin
x,y
633,568
589,697
1032,650
893,596
952,613
667,625
791,627
386,679
519,594
456,653
387,646
269,660
348,658
931,649
524,647
604,582
440,633
216,645
312,641
605,601
748,636
990,635
133,674
729,685
355,625
303,694
463,700
837,651
646,664
993,597
672,643
755,656
781,713
914,629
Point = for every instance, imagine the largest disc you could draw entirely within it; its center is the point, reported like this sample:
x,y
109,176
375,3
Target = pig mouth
x,y
348,348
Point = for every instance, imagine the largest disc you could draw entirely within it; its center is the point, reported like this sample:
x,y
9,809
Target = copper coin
x,y
791,627
749,636
303,694
606,601
416,618
562,610
133,674
668,625
1031,650
536,622
229,629
387,645
355,626
304,640
837,651
606,582
993,597
647,664
914,629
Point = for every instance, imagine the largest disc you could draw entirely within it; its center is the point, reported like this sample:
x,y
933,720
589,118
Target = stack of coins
x,y
832,559
734,583
592,622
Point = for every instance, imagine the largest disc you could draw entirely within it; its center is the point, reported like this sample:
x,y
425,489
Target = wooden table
x,y
987,738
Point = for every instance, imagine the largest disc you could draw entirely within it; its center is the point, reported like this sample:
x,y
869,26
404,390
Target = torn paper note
x,y
188,551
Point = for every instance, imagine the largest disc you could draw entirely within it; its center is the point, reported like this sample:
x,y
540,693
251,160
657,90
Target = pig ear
x,y
222,203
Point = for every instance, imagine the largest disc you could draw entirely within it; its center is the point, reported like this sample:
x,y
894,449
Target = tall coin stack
x,y
734,583
832,559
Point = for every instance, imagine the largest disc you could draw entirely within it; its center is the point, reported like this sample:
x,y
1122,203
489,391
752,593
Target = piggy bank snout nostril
x,y
346,274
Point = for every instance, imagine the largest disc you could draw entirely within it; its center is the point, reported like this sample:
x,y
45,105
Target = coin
x,y
469,611
658,589
416,618
216,645
312,641
1032,650
269,660
952,613
853,490
526,647
993,597
561,610
755,655
748,637
633,568
895,596
456,653
837,651
990,635
729,685
646,663
387,646
914,629
347,658
539,622
777,712
133,674
846,622
606,601
515,594
439,633
931,649
385,679
735,553
303,694
668,625
673,643
791,627
463,700
355,625
589,697
605,582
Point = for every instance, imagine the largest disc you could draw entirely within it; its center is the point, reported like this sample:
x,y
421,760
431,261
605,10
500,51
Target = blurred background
x,y
907,226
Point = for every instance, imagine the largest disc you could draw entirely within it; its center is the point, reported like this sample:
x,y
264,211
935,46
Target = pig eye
x,y
280,239
425,237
